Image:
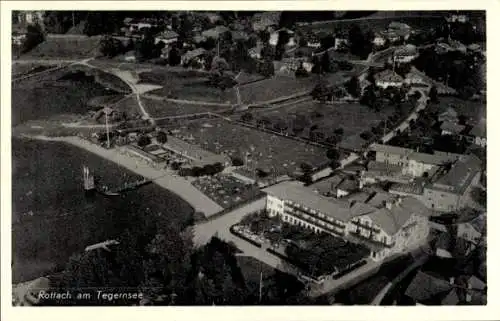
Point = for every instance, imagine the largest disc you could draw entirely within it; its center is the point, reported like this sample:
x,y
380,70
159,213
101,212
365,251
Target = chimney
x,y
360,184
452,280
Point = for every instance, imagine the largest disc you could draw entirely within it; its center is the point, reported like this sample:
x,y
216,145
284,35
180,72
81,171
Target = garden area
x,y
330,124
187,85
260,152
226,190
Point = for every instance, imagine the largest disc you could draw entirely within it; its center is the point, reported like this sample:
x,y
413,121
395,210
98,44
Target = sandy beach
x,y
164,178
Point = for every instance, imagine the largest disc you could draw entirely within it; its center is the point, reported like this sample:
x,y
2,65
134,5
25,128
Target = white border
x,y
250,313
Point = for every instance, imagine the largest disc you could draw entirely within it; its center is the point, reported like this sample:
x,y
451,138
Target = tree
x,y
339,131
162,137
433,94
247,117
306,167
333,154
325,63
369,97
267,69
174,57
237,161
110,47
301,72
34,37
327,41
353,87
146,49
143,141
264,36
320,91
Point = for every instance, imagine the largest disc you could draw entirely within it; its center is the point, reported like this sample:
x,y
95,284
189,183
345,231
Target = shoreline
x,y
177,185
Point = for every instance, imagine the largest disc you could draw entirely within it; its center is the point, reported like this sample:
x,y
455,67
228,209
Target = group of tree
x,y
207,170
111,47
34,36
322,64
459,71
360,42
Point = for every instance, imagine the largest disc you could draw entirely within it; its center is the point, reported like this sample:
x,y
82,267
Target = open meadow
x,y
187,85
65,47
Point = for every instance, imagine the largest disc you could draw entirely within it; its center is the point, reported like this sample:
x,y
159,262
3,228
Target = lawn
x,y
66,47
187,85
353,118
26,69
158,108
272,153
33,98
273,88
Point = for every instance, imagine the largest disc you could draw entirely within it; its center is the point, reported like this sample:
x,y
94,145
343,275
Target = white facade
x,y
386,84
340,43
360,229
480,141
417,169
379,41
166,41
314,44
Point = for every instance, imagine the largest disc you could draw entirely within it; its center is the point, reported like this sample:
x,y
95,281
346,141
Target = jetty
x,y
89,185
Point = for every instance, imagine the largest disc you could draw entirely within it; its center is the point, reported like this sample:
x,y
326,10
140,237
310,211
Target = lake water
x,y
52,218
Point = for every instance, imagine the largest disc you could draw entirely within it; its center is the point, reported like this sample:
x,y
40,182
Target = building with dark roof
x,y
479,133
391,227
428,288
448,192
388,78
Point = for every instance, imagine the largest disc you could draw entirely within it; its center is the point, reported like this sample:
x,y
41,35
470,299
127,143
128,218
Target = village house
x,y
167,37
478,132
341,43
428,288
402,30
390,36
458,18
388,78
255,52
405,54
451,128
451,191
194,57
410,161
288,66
416,77
265,20
392,228
135,25
215,32
379,40
449,115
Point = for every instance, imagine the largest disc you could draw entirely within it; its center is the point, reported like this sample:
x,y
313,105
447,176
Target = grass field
x,y
69,47
275,154
274,88
26,69
55,93
159,108
188,85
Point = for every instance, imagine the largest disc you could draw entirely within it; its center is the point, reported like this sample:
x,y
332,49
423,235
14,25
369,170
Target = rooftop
x,y
459,176
452,127
167,34
215,32
388,76
390,220
479,130
425,287
193,54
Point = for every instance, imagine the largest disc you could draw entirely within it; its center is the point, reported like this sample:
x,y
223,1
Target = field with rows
x,y
272,153
160,108
274,88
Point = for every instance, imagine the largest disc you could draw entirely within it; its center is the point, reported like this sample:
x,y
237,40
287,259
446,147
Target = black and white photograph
x,y
248,158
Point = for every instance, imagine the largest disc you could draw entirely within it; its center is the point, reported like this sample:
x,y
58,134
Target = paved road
x,y
203,232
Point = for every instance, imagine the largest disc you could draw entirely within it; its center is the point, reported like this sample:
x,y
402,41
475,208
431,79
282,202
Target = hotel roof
x,y
391,221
